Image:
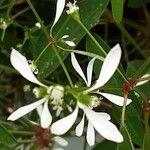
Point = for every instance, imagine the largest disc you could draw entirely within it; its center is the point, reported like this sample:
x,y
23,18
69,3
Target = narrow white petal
x,y
103,115
24,110
20,63
90,71
70,43
90,136
142,82
39,110
46,117
118,100
80,127
61,141
77,67
65,36
61,126
59,9
109,66
104,127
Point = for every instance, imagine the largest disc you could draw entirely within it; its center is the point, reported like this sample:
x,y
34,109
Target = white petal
x,y
24,110
65,36
77,67
104,127
59,9
20,63
142,82
103,115
46,117
80,127
70,43
118,100
61,141
61,126
109,66
39,110
90,136
90,71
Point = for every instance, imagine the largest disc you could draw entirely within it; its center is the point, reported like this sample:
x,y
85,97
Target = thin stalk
x,y
21,132
142,67
47,35
93,39
123,110
98,45
26,141
20,13
7,69
63,66
46,47
3,35
89,54
38,18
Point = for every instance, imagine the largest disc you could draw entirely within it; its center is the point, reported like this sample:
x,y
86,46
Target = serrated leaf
x,y
6,138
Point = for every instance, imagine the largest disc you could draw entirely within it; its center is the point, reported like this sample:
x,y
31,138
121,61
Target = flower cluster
x,y
84,100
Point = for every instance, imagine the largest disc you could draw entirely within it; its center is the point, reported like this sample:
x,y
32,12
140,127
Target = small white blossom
x,y
72,7
20,63
3,24
38,25
108,69
98,121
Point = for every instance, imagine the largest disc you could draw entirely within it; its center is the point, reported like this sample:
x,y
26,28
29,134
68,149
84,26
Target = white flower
x,y
20,63
38,25
72,7
98,121
109,66
3,24
68,42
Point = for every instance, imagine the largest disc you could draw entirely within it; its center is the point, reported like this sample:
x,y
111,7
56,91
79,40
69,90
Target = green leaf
x,y
5,137
146,142
90,11
137,3
117,10
105,145
127,143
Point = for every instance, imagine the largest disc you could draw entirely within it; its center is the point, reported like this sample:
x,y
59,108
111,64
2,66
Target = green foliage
x,y
117,9
5,137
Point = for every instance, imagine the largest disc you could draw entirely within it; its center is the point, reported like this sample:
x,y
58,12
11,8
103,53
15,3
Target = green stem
x,y
82,53
3,35
20,12
123,110
142,67
63,66
98,45
21,132
47,35
26,141
38,18
93,39
7,69
130,38
129,137
46,47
